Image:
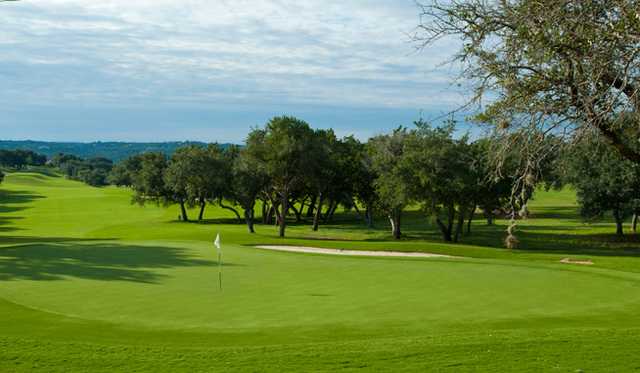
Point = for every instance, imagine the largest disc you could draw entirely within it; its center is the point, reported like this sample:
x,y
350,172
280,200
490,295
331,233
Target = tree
x,y
93,171
220,176
282,150
123,173
18,159
363,179
493,189
248,180
148,183
392,188
185,177
564,67
604,182
352,170
59,159
442,178
323,178
197,175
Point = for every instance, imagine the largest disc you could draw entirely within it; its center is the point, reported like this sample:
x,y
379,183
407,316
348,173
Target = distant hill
x,y
115,151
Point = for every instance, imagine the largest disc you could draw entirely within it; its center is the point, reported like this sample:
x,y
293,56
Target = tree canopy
x,y
604,181
569,68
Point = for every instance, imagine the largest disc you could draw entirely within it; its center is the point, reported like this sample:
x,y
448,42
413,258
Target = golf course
x,y
319,186
91,282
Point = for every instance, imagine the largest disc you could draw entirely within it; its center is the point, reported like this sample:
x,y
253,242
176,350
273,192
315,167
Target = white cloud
x,y
232,51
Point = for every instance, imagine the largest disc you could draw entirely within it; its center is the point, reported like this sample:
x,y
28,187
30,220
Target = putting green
x,y
78,263
175,285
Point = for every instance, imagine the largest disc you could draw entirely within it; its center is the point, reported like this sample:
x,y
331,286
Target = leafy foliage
x,y
568,67
19,159
604,181
94,171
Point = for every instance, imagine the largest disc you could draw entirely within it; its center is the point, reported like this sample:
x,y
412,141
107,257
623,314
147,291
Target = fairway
x,y
85,275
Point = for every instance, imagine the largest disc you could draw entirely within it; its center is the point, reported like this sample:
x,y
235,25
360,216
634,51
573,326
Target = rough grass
x,y
89,282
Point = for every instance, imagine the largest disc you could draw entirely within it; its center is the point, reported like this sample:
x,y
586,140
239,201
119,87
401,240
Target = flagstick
x,y
220,269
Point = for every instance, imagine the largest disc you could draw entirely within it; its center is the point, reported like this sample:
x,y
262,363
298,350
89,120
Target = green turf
x,y
89,282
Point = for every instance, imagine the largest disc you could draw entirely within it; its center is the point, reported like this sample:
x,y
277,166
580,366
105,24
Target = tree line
x,y
294,172
92,171
19,159
290,171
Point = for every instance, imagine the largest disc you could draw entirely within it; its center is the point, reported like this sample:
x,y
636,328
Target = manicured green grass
x,y
89,282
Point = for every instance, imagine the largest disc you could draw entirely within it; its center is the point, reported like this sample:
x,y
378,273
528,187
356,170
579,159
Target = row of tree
x,y
291,170
93,171
19,159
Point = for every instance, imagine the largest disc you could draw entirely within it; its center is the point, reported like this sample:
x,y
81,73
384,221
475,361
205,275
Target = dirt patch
x,y
317,250
581,262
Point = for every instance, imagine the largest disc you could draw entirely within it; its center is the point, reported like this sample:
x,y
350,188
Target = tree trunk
x,y
446,232
283,214
473,210
634,222
297,212
230,209
489,215
394,219
272,215
332,211
248,218
316,216
265,212
325,217
460,225
514,210
360,216
619,230
312,206
300,212
203,204
369,214
618,218
183,210
275,205
451,216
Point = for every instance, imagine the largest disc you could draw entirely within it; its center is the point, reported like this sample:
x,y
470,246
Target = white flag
x,y
217,241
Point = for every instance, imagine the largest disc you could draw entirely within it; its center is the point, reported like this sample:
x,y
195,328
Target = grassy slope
x,y
89,282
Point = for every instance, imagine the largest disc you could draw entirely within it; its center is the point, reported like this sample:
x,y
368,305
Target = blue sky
x,y
210,70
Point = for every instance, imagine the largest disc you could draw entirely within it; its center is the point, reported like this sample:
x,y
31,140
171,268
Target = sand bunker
x,y
581,262
317,250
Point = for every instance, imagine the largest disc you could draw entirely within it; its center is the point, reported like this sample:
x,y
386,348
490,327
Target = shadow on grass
x,y
48,259
597,244
213,221
6,224
12,200
567,214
